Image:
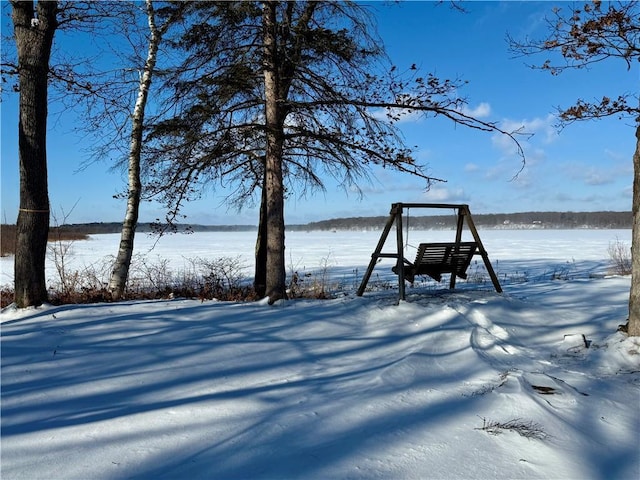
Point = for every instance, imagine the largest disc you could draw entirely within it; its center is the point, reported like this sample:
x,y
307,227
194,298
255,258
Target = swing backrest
x,y
434,259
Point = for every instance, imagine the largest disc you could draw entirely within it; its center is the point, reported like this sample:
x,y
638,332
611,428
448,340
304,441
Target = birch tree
x,y
122,264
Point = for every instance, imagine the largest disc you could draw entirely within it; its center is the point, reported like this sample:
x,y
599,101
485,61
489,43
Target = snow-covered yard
x,y
532,383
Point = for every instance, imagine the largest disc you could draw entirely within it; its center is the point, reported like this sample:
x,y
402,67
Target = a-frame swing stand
x,y
433,259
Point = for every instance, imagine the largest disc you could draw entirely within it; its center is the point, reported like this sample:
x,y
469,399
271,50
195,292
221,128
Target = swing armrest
x,y
408,269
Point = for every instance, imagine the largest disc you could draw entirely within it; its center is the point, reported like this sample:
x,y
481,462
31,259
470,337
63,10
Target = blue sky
x,y
585,167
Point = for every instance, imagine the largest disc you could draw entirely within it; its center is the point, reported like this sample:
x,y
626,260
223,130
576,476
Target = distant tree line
x,y
549,220
97,228
557,220
8,237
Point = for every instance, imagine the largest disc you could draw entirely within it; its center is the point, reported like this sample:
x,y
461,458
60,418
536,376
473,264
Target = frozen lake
x,y
515,254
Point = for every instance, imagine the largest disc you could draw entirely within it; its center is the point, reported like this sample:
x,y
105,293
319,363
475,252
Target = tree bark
x,y
634,296
33,31
260,277
274,183
120,272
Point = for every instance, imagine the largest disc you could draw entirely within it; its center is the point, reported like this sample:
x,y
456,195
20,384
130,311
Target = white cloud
x,y
443,194
590,175
505,144
544,128
530,133
595,177
481,111
423,155
367,189
511,170
619,157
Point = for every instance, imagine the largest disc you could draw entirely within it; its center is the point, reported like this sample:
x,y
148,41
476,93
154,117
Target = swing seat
x,y
434,259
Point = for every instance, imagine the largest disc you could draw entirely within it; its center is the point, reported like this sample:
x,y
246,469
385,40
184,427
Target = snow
x,y
531,383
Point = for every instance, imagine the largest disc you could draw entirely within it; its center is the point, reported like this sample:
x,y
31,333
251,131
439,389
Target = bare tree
x,y
587,34
277,94
120,272
34,26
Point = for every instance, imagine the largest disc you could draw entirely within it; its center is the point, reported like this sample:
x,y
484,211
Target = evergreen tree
x,y
274,96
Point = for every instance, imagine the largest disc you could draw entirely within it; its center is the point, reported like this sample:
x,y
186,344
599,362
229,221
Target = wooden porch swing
x,y
432,259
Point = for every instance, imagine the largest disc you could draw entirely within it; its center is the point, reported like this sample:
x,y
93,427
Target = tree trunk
x,y
260,278
122,264
274,119
276,274
634,296
33,31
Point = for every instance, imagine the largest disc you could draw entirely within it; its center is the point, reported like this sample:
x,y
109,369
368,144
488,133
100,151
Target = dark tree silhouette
x,y
34,26
275,96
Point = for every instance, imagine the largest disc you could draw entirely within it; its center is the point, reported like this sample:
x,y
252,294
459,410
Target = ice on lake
x,y
516,255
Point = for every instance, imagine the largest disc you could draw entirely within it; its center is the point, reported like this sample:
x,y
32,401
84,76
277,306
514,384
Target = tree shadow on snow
x,y
221,390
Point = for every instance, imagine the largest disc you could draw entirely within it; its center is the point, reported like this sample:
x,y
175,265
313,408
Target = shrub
x,y
310,284
524,429
620,257
7,240
205,279
6,295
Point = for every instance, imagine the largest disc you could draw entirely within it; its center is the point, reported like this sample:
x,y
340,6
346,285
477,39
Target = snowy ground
x,y
463,384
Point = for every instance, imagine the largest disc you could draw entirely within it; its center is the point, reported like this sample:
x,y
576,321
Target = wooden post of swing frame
x,y
456,248
396,217
483,252
400,250
394,214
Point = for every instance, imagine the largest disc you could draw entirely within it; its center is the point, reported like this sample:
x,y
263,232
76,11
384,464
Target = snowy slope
x,y
532,383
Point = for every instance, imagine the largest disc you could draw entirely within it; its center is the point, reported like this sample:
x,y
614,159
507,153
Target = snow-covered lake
x,y
522,254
